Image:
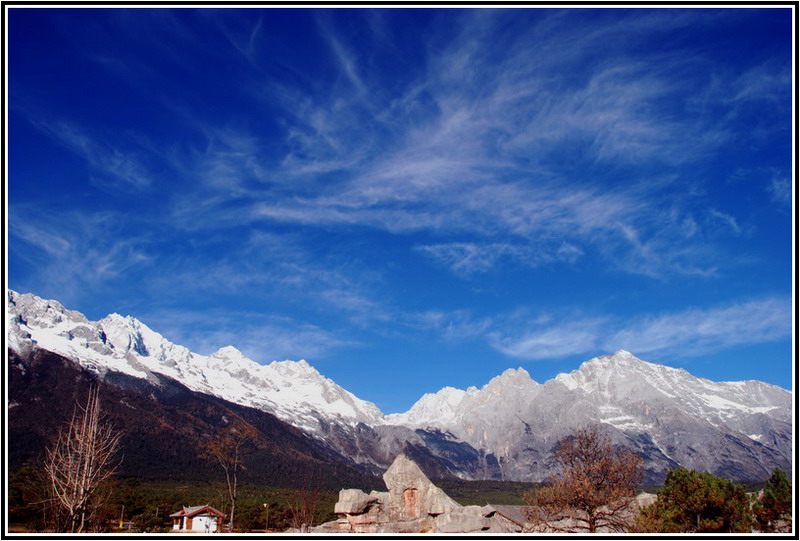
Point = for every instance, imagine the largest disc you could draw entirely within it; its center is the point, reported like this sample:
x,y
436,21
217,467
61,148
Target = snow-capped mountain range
x,y
292,390
617,384
669,415
742,429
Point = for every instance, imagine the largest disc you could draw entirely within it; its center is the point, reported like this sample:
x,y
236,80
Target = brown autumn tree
x,y
227,451
82,459
303,508
594,490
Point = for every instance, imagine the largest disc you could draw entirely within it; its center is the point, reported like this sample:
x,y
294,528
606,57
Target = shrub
x,y
696,502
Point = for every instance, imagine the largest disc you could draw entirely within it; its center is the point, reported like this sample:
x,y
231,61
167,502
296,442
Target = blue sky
x,y
413,198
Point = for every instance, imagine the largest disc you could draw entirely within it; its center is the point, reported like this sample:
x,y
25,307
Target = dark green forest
x,y
145,505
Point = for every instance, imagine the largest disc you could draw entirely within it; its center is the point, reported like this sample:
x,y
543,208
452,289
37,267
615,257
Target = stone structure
x,y
413,504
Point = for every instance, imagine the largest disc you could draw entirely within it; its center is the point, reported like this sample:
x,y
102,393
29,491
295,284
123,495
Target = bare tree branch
x,y
80,461
227,451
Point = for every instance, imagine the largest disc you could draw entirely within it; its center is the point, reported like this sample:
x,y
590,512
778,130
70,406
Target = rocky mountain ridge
x,y
740,429
294,391
505,429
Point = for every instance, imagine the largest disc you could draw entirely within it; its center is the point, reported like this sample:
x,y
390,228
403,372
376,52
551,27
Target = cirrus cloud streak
x,y
688,332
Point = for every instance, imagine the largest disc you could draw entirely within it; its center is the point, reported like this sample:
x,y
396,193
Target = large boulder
x,y
353,501
464,520
412,505
412,495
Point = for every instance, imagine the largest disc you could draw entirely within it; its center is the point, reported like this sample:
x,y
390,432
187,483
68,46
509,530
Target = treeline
x,y
145,506
483,492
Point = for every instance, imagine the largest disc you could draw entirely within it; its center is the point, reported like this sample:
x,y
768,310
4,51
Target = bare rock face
x,y
353,501
412,505
411,494
472,518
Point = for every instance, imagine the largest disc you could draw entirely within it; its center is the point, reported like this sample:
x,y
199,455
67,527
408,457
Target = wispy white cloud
x,y
468,258
121,167
478,143
713,329
274,270
767,82
456,325
780,189
725,219
73,253
683,334
348,65
470,147
263,338
243,39
568,338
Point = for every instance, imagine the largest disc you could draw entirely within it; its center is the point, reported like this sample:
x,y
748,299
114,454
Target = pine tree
x,y
696,502
773,509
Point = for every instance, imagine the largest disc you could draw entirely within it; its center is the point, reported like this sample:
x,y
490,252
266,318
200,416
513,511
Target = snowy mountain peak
x,y
619,358
128,334
40,312
444,408
515,373
294,391
623,355
295,368
119,319
433,408
512,377
618,365
622,380
623,362
228,353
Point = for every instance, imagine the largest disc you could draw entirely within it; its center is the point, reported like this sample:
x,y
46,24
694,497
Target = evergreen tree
x,y
696,502
773,509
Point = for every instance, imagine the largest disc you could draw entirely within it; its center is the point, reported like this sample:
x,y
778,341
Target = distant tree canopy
x,y
696,502
595,489
773,510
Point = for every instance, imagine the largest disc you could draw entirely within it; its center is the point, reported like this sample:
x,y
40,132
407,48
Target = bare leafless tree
x,y
595,489
303,507
227,449
81,460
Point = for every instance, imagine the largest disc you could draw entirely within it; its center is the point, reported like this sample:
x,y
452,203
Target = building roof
x,y
196,510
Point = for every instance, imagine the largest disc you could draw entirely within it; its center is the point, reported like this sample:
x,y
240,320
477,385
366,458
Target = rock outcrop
x,y
413,504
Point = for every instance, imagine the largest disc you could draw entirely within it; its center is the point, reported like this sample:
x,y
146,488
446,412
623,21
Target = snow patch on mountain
x,y
665,413
436,409
292,390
